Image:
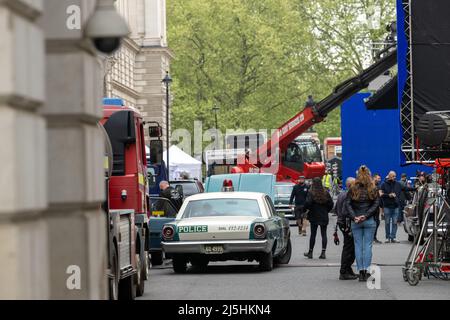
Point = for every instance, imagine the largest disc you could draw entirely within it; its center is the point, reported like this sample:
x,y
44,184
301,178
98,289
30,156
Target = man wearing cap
x,y
298,196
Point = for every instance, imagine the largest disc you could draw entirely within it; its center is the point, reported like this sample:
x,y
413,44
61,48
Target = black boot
x,y
323,256
309,254
362,275
350,271
347,276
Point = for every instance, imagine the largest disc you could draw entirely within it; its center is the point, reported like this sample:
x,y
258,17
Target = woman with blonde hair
x,y
362,204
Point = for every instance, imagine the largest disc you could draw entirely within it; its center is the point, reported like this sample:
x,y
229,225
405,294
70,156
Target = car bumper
x,y
228,246
287,212
289,216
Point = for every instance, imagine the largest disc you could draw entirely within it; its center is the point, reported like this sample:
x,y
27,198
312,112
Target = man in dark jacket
x,y
344,224
298,196
391,191
171,194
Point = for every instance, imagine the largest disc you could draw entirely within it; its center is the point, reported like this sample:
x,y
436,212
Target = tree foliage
x,y
258,60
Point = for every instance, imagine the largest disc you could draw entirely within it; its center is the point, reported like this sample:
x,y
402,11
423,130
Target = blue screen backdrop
x,y
372,137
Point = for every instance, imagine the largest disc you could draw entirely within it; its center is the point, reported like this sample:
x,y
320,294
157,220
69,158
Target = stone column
x,y
23,188
75,185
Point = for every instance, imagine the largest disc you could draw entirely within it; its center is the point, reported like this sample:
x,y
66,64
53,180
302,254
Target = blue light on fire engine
x,y
113,102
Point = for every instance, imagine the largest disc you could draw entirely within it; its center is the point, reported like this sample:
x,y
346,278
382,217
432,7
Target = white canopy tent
x,y
181,162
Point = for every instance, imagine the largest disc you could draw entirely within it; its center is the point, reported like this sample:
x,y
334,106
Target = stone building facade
x,y
135,72
51,225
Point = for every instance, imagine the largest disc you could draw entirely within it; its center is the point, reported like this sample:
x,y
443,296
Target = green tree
x,y
259,59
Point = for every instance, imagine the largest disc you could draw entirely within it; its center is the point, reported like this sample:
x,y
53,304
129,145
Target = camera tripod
x,y
430,253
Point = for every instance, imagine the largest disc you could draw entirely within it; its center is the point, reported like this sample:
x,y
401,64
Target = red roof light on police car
x,y
227,185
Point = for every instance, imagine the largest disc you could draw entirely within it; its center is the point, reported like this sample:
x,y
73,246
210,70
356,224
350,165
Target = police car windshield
x,y
222,208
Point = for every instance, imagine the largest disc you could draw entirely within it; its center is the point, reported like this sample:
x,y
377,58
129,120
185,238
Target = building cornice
x,y
118,86
132,44
158,49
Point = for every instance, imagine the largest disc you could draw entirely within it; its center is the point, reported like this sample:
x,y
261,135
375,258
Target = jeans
x,y
363,237
391,218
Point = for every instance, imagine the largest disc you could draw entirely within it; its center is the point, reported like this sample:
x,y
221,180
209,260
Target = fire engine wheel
x,y
114,282
146,265
127,288
140,275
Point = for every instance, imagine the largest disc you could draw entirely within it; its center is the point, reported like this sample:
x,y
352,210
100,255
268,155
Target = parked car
x,y
220,226
162,211
190,187
283,192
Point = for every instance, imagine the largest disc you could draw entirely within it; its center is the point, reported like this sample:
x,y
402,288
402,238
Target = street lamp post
x,y
167,81
215,110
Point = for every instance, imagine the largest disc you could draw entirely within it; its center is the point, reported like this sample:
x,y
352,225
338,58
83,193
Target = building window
x,y
123,71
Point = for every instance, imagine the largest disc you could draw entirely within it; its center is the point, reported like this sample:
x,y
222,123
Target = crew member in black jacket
x,y
171,194
344,224
298,196
319,203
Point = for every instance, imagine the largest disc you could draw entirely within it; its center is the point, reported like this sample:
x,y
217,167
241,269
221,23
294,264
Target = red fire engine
x,y
127,199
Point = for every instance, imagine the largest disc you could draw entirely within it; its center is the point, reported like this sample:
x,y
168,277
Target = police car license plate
x,y
213,249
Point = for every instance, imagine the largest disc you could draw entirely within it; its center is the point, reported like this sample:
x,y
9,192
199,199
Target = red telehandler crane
x,y
282,156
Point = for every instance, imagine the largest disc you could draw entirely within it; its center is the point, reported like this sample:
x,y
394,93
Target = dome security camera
x,y
106,28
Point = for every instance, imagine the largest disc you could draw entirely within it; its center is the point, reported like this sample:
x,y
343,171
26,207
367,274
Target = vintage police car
x,y
222,226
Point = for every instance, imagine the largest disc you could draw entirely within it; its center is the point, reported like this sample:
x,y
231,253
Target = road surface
x,y
301,279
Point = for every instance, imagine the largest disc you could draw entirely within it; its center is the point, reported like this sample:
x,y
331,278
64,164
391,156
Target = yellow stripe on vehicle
x,y
106,163
157,213
141,179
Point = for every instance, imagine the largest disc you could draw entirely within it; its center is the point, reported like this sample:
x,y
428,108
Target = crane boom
x,y
314,114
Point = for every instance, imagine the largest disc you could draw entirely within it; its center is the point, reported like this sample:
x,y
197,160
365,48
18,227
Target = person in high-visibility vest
x,y
328,181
